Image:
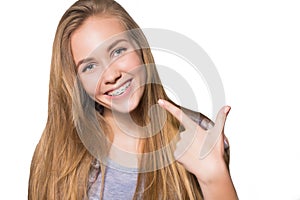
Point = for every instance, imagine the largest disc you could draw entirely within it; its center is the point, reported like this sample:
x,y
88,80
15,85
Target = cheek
x,y
90,83
130,62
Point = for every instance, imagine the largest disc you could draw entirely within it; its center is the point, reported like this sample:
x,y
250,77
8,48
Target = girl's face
x,y
108,65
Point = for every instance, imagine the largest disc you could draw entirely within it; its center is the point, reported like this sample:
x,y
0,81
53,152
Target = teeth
x,y
120,91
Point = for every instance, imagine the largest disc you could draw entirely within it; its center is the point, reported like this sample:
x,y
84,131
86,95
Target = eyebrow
x,y
115,44
86,60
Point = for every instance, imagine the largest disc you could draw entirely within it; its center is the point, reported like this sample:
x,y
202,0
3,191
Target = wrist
x,y
220,187
217,175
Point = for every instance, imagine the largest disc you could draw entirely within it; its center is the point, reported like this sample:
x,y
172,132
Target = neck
x,y
124,131
125,145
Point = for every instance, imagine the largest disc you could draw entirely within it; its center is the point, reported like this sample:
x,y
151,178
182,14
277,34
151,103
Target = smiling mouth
x,y
120,90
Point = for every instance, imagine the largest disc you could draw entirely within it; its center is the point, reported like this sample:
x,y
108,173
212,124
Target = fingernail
x,y
226,110
160,102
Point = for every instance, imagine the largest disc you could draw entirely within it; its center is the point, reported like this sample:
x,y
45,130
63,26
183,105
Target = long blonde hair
x,y
61,163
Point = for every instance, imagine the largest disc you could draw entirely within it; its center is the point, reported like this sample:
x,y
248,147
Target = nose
x,y
111,75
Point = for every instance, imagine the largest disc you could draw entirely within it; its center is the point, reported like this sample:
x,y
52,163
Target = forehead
x,y
93,32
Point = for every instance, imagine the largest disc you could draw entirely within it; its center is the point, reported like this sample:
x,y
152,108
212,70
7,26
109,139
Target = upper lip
x,y
117,86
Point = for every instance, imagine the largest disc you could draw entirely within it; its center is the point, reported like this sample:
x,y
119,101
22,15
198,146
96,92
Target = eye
x,y
118,52
89,67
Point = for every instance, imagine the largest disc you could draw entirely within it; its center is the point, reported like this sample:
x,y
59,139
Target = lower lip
x,y
127,91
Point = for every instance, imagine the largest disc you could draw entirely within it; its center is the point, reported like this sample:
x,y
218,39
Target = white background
x,y
255,46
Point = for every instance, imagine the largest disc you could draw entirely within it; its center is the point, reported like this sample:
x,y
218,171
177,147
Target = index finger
x,y
177,113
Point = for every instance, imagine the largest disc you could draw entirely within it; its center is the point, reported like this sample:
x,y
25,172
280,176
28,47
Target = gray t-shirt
x,y
120,182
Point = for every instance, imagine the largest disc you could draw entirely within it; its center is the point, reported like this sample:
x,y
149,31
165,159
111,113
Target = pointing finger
x,y
177,113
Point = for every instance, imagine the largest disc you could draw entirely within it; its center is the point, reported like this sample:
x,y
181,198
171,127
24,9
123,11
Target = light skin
x,y
122,64
211,171
110,63
106,59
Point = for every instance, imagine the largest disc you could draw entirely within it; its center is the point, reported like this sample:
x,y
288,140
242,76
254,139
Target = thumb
x,y
221,118
213,134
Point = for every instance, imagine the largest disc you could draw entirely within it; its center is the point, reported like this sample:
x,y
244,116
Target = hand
x,y
200,151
